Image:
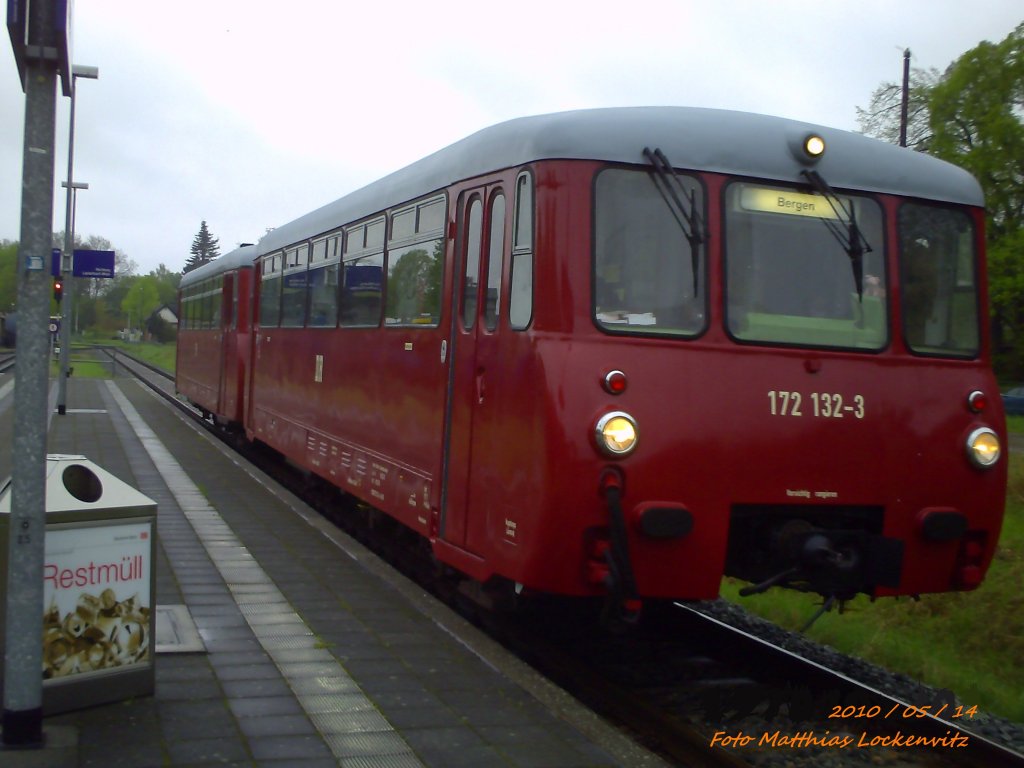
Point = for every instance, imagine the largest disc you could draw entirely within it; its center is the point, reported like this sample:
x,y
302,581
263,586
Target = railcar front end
x,y
781,380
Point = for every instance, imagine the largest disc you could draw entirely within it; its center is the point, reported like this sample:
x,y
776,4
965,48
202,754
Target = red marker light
x,y
615,382
977,401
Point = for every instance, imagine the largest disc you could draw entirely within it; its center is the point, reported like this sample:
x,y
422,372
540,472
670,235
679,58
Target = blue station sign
x,y
93,263
86,263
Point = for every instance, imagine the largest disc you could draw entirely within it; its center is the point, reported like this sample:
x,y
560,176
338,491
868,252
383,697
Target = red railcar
x,y
214,342
624,352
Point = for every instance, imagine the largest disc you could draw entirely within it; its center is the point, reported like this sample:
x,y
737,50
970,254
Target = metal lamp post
x,y
67,258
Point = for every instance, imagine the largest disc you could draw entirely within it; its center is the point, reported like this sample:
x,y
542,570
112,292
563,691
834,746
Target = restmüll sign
x,y
99,568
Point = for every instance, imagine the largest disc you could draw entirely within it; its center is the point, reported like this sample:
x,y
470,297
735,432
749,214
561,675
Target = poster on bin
x,y
96,599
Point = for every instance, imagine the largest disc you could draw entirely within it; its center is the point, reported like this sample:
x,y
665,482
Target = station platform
x,y
312,652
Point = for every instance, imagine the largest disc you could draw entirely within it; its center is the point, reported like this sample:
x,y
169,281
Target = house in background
x,y
165,313
162,324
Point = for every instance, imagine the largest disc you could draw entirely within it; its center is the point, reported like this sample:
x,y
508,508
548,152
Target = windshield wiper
x,y
688,217
853,240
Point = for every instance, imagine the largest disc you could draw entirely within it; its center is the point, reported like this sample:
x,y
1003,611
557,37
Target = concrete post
x,y
23,683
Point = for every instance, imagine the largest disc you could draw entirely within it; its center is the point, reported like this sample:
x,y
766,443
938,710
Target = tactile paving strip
x,y
356,732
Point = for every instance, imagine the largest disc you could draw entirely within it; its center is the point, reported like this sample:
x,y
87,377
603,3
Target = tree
x,y
142,298
882,117
167,285
975,119
205,248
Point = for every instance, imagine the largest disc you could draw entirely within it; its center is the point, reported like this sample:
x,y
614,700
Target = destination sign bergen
x,y
764,200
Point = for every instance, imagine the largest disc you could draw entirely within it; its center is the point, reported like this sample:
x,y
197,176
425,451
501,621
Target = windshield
x,y
644,264
791,275
940,295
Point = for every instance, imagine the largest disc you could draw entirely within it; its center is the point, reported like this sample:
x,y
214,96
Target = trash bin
x,y
99,576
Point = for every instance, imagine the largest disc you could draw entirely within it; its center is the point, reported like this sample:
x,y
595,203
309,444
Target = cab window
x,y
938,281
648,277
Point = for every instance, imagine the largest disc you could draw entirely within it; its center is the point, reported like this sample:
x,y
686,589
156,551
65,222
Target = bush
x,y
162,331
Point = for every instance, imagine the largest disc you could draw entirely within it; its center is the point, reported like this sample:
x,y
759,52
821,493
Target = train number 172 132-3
x,y
825,405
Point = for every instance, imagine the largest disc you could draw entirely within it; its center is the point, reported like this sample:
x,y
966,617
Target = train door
x,y
227,397
473,344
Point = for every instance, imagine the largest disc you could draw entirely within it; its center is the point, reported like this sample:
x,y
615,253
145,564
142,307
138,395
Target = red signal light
x,y
58,289
615,382
977,401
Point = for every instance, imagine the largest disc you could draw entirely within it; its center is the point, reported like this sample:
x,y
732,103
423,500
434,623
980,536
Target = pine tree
x,y
205,249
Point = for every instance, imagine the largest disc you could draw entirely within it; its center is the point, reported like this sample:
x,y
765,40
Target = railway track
x,y
7,361
708,682
692,687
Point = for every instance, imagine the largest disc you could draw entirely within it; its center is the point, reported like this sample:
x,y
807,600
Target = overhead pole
x,y
905,99
67,267
37,47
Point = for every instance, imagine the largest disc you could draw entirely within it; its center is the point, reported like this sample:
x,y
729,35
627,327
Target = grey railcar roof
x,y
240,257
692,138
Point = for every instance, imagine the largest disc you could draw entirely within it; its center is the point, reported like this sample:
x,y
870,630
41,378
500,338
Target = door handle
x,y
480,386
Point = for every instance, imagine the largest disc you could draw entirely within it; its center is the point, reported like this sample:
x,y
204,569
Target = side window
x,y
362,275
415,266
520,305
293,287
270,291
471,259
203,309
324,268
495,250
216,301
197,313
227,300
208,304
414,284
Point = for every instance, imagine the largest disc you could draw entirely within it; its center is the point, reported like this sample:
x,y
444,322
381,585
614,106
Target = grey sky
x,y
250,113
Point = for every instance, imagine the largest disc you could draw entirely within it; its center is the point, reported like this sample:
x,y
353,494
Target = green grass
x,y
90,369
84,365
967,642
153,352
161,355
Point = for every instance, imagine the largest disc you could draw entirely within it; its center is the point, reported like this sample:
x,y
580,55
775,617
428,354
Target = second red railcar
x,y
214,310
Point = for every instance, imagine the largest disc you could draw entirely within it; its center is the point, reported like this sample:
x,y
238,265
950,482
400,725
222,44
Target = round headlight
x,y
983,447
814,146
616,433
